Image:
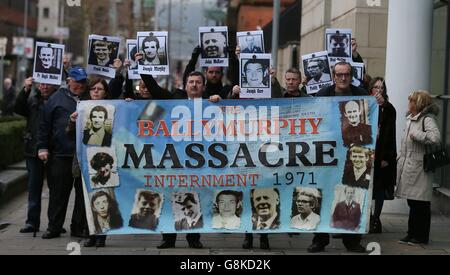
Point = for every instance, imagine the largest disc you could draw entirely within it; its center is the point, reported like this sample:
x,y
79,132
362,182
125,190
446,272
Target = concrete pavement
x,y
13,215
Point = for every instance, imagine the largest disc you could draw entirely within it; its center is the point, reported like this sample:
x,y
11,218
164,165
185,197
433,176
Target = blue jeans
x,y
36,172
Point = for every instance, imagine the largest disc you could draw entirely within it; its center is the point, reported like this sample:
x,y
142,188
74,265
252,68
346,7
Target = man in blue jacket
x,y
57,149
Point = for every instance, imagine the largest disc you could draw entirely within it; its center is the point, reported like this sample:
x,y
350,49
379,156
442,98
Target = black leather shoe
x,y
195,244
166,244
50,235
28,229
248,242
315,248
357,249
90,242
264,243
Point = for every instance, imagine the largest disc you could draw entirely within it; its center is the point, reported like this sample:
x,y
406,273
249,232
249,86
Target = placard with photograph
x,y
255,75
358,74
251,42
133,72
48,63
213,41
316,68
155,51
103,50
339,45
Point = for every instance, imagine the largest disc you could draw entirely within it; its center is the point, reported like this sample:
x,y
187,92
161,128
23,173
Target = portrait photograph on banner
x,y
187,211
306,206
339,45
251,42
102,52
132,49
48,63
104,211
103,170
227,210
356,129
316,68
98,125
214,43
146,210
347,208
155,53
255,75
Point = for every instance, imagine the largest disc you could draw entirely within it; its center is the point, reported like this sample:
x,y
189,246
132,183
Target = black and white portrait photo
x,y
132,48
102,167
251,42
265,208
317,70
154,49
354,121
306,206
358,167
146,210
48,63
255,75
213,41
187,211
103,50
358,74
105,211
227,210
347,208
339,45
99,121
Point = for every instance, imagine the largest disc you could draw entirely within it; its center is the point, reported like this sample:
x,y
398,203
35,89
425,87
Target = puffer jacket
x,y
412,181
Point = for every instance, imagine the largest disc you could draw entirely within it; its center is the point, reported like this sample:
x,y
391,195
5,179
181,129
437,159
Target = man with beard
x,y
103,164
355,132
147,204
213,44
97,135
266,215
358,174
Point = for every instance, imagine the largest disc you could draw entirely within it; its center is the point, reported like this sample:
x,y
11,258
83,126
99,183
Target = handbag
x,y
435,156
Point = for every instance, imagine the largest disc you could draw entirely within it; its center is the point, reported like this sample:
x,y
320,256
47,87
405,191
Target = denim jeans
x,y
36,172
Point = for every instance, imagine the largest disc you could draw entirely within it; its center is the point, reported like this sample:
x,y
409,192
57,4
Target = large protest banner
x,y
276,165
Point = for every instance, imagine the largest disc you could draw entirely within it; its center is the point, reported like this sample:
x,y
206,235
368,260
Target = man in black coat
x,y
30,104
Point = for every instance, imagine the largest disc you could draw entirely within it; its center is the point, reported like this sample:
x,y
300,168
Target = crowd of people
x,y
50,147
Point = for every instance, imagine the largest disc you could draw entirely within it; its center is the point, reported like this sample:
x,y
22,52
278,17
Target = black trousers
x,y
191,237
60,183
349,240
419,221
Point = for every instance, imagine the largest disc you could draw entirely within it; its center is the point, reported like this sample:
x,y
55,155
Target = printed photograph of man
x,y
102,53
347,213
146,210
46,61
106,213
132,50
190,212
358,168
214,44
255,73
354,130
105,171
306,209
339,45
96,132
153,52
316,69
227,210
252,44
265,208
